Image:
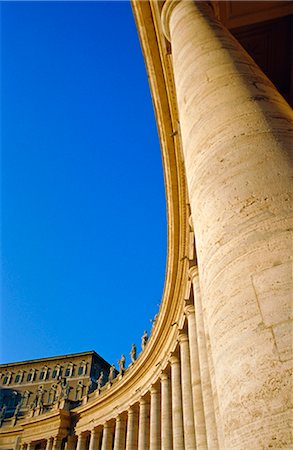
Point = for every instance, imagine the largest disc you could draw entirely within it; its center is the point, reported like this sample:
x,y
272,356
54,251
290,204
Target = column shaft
x,y
199,419
57,443
188,415
166,413
209,395
119,441
94,439
155,420
237,146
177,414
49,443
144,425
107,441
132,431
81,442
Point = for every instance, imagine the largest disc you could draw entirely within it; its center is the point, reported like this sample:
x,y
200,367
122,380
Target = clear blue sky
x,y
83,204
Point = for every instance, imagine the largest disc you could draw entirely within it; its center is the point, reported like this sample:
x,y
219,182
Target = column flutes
x,y
199,419
144,424
132,431
155,423
188,416
166,413
177,414
120,429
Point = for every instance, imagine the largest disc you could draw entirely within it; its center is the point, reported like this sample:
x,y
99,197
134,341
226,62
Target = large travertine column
x,y
107,441
155,419
187,403
94,439
131,434
210,401
144,424
49,443
166,413
199,419
237,151
120,429
177,414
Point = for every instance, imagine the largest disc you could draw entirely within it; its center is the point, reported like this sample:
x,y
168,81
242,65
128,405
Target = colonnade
x,y
175,412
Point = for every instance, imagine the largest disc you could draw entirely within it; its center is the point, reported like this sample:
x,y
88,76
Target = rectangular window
x,y
67,372
17,379
29,377
54,374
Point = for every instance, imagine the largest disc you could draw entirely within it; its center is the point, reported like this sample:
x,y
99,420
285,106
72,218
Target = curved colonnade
x,y
215,373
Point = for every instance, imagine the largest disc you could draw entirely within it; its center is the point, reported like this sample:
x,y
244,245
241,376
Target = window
x,y
17,378
80,370
42,375
67,372
29,377
6,379
54,374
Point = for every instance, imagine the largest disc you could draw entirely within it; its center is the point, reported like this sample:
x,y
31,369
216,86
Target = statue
x,y
153,321
79,390
100,380
133,353
111,373
65,389
121,364
144,339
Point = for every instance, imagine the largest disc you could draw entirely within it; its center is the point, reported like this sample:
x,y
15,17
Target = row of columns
x,y
52,443
170,416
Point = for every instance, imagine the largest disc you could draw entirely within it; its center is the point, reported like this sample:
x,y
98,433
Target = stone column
x,y
30,446
71,443
188,415
49,443
155,420
107,441
199,419
119,441
177,414
144,424
81,441
57,443
237,148
131,435
166,413
209,395
94,439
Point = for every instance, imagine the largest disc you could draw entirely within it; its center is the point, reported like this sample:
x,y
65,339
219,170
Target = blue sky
x,y
83,205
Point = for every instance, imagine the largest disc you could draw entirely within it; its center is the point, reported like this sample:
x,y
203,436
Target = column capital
x,y
182,337
154,389
164,376
188,310
193,272
173,359
143,401
167,9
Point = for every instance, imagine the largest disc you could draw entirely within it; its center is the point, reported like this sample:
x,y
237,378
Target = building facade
x,y
216,372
